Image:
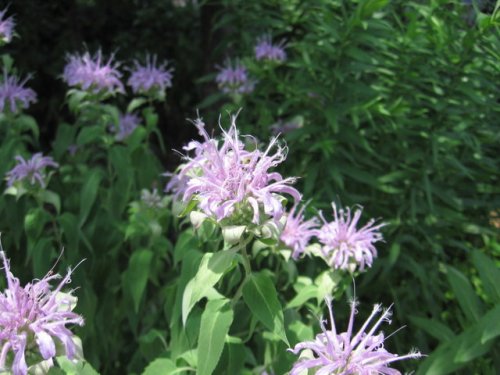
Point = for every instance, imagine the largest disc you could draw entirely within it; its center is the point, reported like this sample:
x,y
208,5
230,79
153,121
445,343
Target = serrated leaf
x,y
261,298
215,323
212,267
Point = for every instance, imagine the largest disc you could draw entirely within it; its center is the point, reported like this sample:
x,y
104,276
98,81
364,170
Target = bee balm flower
x,y
343,245
92,74
266,50
31,170
6,27
230,181
346,353
150,78
31,317
233,79
297,232
13,94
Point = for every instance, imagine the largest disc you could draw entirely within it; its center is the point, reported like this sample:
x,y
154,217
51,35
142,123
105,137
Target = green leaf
x,y
232,234
88,194
467,298
78,368
305,294
89,134
51,198
160,366
215,323
489,273
433,328
212,267
136,276
261,298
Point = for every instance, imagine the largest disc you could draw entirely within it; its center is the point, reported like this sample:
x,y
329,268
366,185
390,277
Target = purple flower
x,y
346,353
6,27
230,181
344,246
13,93
150,77
92,74
297,232
233,78
126,125
31,317
31,170
266,50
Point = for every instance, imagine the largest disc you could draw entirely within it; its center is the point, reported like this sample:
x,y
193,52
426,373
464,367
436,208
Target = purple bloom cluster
x,y
126,125
13,93
31,170
33,316
266,50
233,78
150,77
343,245
229,180
362,353
6,27
92,74
298,232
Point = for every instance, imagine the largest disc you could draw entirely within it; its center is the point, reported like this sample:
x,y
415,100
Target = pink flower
x,y
297,232
266,50
32,317
31,170
150,77
343,245
233,78
230,181
6,27
92,74
347,353
13,94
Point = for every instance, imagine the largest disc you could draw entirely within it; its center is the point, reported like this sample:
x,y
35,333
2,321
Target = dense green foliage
x,y
397,107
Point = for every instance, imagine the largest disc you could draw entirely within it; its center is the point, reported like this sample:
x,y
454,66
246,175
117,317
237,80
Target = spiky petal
x,y
150,77
13,94
32,317
229,179
346,353
266,50
6,27
233,78
31,170
343,245
91,73
297,232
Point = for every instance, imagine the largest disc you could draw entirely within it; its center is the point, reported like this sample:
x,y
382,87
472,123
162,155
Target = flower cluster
x,y
343,245
297,232
126,125
266,50
6,27
229,180
32,317
31,170
233,78
348,353
150,78
90,73
13,94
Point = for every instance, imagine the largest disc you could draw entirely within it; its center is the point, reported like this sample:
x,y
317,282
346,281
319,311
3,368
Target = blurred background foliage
x,y
393,105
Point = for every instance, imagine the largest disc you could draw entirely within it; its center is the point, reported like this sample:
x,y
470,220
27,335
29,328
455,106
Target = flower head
x,y
31,170
126,125
92,74
297,231
150,78
347,353
343,245
229,180
6,27
152,199
31,317
266,50
13,93
233,78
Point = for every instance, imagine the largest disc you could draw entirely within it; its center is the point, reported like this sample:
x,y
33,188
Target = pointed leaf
x,y
215,323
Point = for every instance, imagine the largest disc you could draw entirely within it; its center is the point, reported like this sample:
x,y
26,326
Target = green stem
x,y
246,266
